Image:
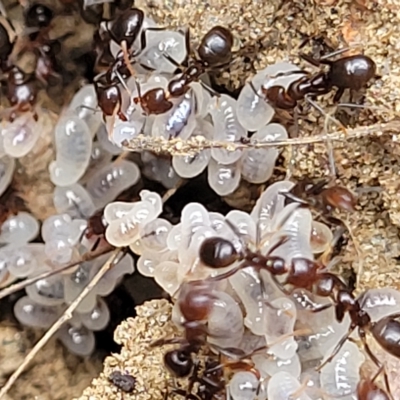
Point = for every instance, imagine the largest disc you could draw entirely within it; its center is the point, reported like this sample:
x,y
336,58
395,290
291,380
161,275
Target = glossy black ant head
x,y
38,16
179,362
217,252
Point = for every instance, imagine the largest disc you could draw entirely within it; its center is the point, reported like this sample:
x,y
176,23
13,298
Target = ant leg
x,y
338,95
164,341
381,368
125,53
294,198
336,350
320,308
310,59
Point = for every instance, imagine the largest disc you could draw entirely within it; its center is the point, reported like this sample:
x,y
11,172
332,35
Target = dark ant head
x,y
154,101
108,96
217,252
179,362
345,302
38,16
215,49
126,26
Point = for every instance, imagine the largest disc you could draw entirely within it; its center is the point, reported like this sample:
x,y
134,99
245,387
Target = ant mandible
x,y
215,50
352,72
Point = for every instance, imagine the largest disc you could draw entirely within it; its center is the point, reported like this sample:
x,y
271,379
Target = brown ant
x,y
215,50
352,72
321,197
386,331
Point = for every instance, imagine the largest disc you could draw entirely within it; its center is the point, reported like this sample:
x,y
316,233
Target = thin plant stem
x,y
67,315
91,255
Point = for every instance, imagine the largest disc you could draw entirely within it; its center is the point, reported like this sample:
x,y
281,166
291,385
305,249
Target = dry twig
x,y
196,144
67,315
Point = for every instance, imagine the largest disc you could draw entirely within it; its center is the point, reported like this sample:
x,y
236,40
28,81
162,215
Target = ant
x,y
352,72
215,50
320,197
386,331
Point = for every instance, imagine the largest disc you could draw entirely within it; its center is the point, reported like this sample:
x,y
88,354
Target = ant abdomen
x,y
216,46
352,72
387,333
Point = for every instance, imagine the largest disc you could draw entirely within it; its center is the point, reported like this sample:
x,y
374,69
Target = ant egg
x,y
111,180
7,166
244,225
243,386
189,166
269,204
73,200
105,143
294,223
84,106
246,284
226,128
166,275
19,229
160,43
321,237
154,234
113,276
380,303
123,232
225,321
20,136
35,315
203,99
98,318
194,216
284,386
339,378
268,366
73,144
280,321
258,164
75,283
98,159
24,260
79,341
160,170
126,130
174,237
180,121
223,179
253,111
117,210
154,199
48,291
147,263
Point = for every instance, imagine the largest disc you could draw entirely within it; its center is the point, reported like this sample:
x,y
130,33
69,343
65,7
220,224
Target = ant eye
x,y
217,253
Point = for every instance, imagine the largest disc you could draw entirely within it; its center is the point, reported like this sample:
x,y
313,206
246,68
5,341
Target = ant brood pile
x,y
255,289
249,284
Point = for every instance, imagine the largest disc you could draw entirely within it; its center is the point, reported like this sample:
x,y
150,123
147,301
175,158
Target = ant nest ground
x,y
367,161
